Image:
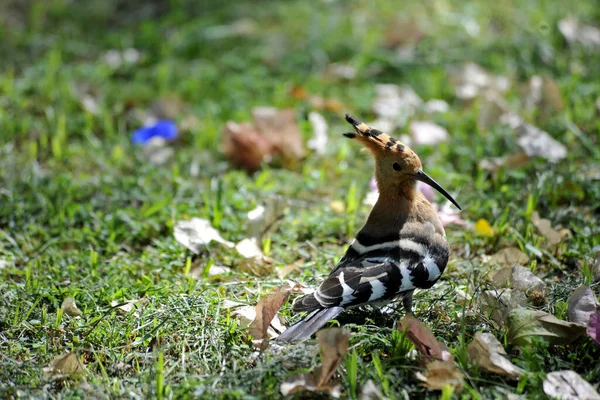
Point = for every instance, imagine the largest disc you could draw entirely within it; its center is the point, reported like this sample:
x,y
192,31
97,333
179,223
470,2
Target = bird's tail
x,y
310,324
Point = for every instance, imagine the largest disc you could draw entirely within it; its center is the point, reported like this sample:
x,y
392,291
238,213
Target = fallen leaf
x,y
509,256
463,298
125,307
265,218
525,324
574,32
370,391
255,261
284,271
487,352
245,147
436,106
266,309
305,381
247,314
537,143
423,339
593,328
483,227
70,308
213,270
318,143
280,129
514,160
568,385
499,303
333,344
427,133
197,233
395,104
63,366
544,227
439,374
472,80
517,277
582,304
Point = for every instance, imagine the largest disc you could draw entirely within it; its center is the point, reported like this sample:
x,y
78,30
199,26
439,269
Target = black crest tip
x,y
352,120
350,135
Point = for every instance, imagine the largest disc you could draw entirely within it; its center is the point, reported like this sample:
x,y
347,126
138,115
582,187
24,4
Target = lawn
x,y
84,213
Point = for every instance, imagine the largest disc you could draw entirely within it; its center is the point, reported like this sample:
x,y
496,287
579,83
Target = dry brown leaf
x,y
525,324
499,303
255,262
266,309
568,385
70,308
423,339
438,374
544,227
333,343
486,351
284,271
280,129
245,147
517,277
125,307
62,366
582,304
509,256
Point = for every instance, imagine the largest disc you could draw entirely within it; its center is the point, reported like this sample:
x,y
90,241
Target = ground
x,y
84,214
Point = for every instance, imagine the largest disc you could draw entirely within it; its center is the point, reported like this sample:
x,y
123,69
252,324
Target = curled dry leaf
x,y
280,129
245,147
266,309
525,324
333,344
593,328
499,303
544,227
439,374
427,133
517,277
509,256
197,233
568,385
284,271
125,307
63,366
423,339
486,351
265,218
70,308
582,304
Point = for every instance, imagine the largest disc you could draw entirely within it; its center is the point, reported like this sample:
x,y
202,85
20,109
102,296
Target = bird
x,y
401,247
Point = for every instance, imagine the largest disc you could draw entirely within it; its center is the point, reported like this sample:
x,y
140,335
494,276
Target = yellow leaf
x,y
483,227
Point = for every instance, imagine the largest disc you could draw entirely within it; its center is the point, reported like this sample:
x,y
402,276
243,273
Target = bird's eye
x,y
396,166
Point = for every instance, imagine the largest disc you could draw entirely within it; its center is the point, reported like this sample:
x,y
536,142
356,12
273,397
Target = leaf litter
x,y
568,385
266,310
526,324
333,345
197,233
487,352
582,304
63,366
70,308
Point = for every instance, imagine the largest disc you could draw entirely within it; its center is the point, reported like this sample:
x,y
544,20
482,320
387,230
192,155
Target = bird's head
x,y
397,167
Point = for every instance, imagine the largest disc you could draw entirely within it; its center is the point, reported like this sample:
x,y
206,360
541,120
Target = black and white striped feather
x,y
374,270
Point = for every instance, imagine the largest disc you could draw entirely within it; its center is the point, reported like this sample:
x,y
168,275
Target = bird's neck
x,y
394,207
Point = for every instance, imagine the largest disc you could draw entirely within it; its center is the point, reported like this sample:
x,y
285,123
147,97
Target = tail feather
x,y
310,324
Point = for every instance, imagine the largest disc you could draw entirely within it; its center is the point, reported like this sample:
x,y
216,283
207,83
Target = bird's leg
x,y
407,302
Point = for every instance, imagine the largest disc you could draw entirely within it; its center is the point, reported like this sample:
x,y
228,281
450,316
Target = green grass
x,y
83,214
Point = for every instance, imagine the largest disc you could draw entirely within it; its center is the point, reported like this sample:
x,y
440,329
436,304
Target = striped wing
x,y
379,272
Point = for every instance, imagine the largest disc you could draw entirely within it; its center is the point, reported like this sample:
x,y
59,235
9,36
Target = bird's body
x,y
401,247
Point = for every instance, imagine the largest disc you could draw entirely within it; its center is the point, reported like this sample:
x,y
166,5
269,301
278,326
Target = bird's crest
x,y
373,138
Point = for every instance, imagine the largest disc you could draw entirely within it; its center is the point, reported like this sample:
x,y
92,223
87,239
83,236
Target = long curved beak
x,y
423,177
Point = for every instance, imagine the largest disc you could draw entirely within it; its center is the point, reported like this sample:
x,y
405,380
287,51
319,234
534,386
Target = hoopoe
x,y
401,247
